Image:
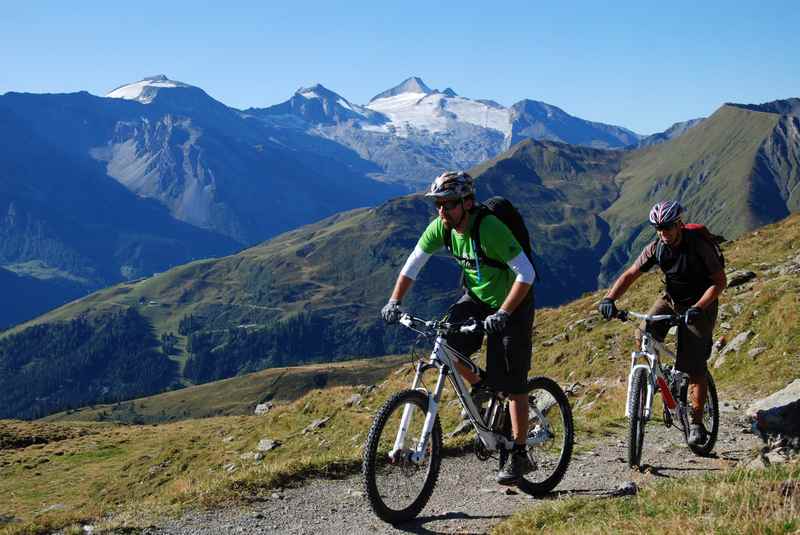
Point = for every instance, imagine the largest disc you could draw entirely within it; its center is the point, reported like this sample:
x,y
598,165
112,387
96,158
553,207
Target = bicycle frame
x,y
443,357
650,351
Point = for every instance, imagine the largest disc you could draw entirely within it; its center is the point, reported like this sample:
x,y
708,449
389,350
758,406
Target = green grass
x,y
737,502
237,395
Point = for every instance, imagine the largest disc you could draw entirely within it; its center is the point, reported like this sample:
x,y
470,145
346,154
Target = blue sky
x,y
643,65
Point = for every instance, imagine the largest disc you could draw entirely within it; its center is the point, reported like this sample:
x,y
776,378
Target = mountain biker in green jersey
x,y
695,277
501,297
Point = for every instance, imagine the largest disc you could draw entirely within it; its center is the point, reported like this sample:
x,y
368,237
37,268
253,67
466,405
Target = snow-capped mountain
x,y
412,132
146,89
319,105
413,106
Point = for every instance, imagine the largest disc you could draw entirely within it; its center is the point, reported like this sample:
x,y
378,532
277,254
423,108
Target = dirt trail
x,y
466,498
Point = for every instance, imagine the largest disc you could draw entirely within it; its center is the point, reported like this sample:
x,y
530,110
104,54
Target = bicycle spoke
x,y
398,487
550,435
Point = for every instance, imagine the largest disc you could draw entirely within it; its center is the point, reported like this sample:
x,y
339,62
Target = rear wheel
x,y
710,419
637,418
397,487
551,436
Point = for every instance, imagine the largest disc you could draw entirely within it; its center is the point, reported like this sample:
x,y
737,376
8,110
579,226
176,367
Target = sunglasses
x,y
447,205
668,226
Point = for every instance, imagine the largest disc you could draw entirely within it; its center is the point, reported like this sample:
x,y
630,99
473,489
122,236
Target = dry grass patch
x,y
738,502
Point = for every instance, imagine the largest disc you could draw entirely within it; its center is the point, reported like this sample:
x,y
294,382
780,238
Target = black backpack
x,y
696,229
503,210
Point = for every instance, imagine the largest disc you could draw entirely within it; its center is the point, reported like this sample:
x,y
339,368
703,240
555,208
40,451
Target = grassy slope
x,y
186,464
736,502
236,396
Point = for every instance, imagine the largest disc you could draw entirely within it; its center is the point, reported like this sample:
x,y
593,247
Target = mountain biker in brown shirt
x,y
695,277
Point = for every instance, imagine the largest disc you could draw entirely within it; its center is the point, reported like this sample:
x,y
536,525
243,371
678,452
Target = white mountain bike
x,y
403,452
648,375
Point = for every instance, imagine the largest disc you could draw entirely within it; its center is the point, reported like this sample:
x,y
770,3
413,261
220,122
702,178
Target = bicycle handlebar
x,y
441,327
673,319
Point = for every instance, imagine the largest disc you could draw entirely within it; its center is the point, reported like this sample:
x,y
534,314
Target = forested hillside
x,y
78,362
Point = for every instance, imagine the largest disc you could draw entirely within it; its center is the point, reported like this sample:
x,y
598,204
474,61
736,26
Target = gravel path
x,y
466,498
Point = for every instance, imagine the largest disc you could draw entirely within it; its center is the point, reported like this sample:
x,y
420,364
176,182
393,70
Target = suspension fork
x,y
418,455
430,418
648,407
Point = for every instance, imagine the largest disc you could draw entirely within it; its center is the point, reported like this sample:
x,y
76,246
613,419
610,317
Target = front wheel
x,y
637,417
710,419
551,436
397,487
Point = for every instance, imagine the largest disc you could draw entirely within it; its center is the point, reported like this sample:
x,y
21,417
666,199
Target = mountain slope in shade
x,y
205,162
539,120
67,224
27,296
676,130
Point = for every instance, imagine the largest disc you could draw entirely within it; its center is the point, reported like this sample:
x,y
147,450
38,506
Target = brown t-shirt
x,y
647,259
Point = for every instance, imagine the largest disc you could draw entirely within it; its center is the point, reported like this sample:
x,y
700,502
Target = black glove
x,y
693,314
391,311
496,322
608,309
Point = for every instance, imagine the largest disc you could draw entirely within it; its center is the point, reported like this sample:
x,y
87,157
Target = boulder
x,y
739,277
737,343
354,401
316,424
778,414
263,408
266,444
780,398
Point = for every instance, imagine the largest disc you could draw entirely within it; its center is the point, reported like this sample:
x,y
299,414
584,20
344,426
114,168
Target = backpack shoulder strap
x,y
448,240
483,211
659,251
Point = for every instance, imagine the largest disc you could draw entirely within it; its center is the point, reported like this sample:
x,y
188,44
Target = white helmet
x,y
452,185
665,213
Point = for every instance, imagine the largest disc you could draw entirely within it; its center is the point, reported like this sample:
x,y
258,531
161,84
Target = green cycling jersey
x,y
489,284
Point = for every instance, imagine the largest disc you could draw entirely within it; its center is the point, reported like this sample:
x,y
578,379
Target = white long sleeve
x,y
416,260
523,268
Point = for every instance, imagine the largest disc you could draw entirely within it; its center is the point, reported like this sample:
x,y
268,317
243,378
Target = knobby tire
x,y
547,476
637,421
710,416
376,466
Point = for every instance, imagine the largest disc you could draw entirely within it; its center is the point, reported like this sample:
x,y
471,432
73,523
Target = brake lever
x,y
470,328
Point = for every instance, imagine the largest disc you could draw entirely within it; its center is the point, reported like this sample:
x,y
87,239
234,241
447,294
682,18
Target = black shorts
x,y
508,354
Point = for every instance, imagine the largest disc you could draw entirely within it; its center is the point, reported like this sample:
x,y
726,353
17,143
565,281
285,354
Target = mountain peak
x,y
146,89
414,84
789,106
317,91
